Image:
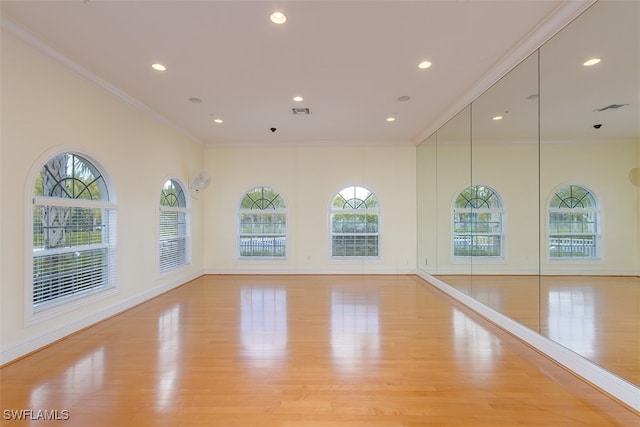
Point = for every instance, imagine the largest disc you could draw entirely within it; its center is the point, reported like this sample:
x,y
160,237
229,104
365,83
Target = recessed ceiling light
x,y
592,61
278,18
217,121
391,119
298,98
496,118
424,64
158,67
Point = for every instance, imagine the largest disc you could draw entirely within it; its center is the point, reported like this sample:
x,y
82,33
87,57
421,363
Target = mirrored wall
x,y
529,198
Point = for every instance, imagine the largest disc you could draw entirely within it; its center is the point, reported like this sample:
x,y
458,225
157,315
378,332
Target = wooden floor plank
x,y
301,351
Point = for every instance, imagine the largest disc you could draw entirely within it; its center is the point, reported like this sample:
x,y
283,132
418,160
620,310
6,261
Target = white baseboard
x,y
313,271
622,390
29,346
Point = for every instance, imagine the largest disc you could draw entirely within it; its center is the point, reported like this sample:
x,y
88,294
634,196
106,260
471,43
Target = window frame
x,y
500,210
36,312
597,221
263,212
184,211
377,211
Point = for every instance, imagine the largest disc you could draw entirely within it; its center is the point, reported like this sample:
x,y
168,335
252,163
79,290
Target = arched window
x,y
573,223
354,220
73,231
477,223
174,235
263,224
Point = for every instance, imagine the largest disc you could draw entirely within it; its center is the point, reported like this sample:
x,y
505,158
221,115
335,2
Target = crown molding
x,y
559,18
10,27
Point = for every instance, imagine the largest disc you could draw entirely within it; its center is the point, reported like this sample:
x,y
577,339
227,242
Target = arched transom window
x,y
174,235
573,223
73,231
477,223
263,224
354,220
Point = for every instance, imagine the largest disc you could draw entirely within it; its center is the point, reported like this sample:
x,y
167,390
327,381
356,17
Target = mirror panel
x,y
505,179
453,175
581,228
426,155
590,136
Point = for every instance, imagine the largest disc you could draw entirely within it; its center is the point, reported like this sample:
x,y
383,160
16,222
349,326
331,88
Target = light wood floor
x,y
597,317
301,351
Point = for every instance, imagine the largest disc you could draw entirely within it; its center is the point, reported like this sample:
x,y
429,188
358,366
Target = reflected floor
x,y
598,317
301,350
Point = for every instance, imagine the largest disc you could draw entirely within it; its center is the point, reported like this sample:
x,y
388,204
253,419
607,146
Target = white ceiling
x,y
350,60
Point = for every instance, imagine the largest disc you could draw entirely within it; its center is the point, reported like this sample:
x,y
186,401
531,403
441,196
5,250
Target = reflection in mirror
x,y
453,175
426,198
590,136
503,199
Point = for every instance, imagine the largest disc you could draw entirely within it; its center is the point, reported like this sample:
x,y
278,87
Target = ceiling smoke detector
x,y
300,111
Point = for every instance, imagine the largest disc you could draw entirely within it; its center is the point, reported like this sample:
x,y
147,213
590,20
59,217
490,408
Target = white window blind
x,y
262,224
355,220
573,223
73,232
478,223
83,264
173,230
173,238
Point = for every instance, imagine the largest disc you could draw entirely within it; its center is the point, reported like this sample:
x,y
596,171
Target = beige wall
x,y
47,109
308,178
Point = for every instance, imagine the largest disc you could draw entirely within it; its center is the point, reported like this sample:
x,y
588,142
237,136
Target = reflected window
x,y
477,223
263,323
573,223
354,220
355,327
263,224
174,233
73,231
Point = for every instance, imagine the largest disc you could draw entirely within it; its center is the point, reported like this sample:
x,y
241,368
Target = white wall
x,y
308,177
46,109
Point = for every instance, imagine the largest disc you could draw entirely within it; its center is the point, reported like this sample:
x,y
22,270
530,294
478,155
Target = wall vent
x,y
300,111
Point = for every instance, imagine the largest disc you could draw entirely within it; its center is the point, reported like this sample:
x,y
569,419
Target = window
x,y
263,224
477,223
573,223
73,232
354,223
174,227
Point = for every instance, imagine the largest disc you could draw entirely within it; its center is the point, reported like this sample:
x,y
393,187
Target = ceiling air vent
x,y
300,111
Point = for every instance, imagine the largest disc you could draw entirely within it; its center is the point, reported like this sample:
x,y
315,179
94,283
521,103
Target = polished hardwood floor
x,y
597,317
301,351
